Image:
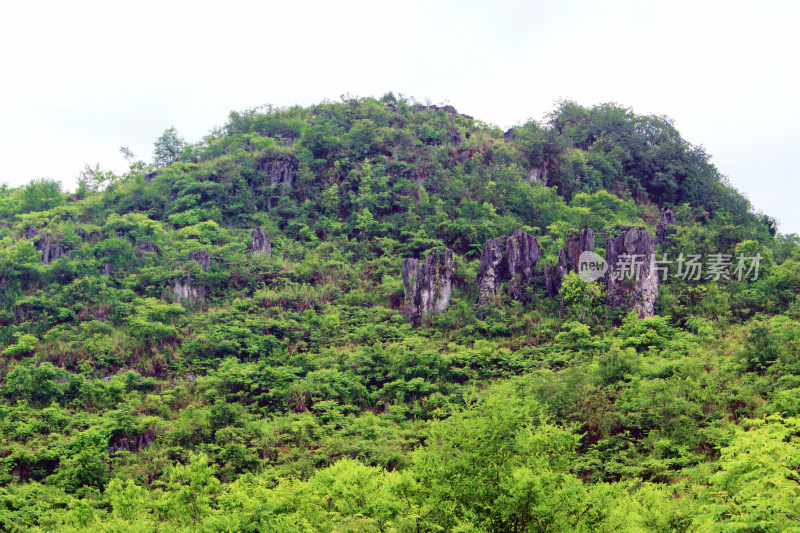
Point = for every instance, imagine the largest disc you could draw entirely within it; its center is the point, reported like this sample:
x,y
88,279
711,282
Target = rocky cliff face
x,y
667,219
184,289
411,272
280,171
202,258
568,260
511,260
427,287
50,250
259,242
491,272
147,246
632,280
522,255
144,246
540,173
551,282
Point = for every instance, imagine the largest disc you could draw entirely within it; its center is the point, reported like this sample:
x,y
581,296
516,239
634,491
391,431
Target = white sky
x,y
80,79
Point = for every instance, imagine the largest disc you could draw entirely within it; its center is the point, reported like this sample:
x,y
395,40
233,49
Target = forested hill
x,y
370,315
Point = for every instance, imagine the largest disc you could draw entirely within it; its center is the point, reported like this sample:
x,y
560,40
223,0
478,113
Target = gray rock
x,y
427,287
202,258
280,171
550,282
522,255
540,173
81,233
453,136
183,289
130,444
29,233
491,272
50,250
259,242
147,246
410,272
105,269
667,219
517,266
634,286
568,259
437,280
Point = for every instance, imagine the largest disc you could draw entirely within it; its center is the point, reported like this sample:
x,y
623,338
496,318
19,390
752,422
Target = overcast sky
x,y
80,79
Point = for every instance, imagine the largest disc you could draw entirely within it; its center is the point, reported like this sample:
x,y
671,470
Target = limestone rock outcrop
x,y
184,289
147,246
50,250
568,259
629,272
668,218
540,173
522,255
427,287
511,260
490,274
632,279
143,246
259,242
105,269
551,284
202,258
280,171
410,272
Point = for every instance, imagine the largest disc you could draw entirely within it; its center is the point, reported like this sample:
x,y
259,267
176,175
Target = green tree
x,y
94,179
40,195
499,466
757,486
582,299
169,148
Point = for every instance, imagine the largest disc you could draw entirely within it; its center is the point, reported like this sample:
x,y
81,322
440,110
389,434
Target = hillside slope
x,y
229,339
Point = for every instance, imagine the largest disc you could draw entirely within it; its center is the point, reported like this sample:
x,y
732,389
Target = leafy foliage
x,y
288,393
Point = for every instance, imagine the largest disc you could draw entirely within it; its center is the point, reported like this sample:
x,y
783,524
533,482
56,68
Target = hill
x,y
376,315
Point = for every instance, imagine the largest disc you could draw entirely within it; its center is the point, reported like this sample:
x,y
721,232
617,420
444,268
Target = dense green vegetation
x,y
294,396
